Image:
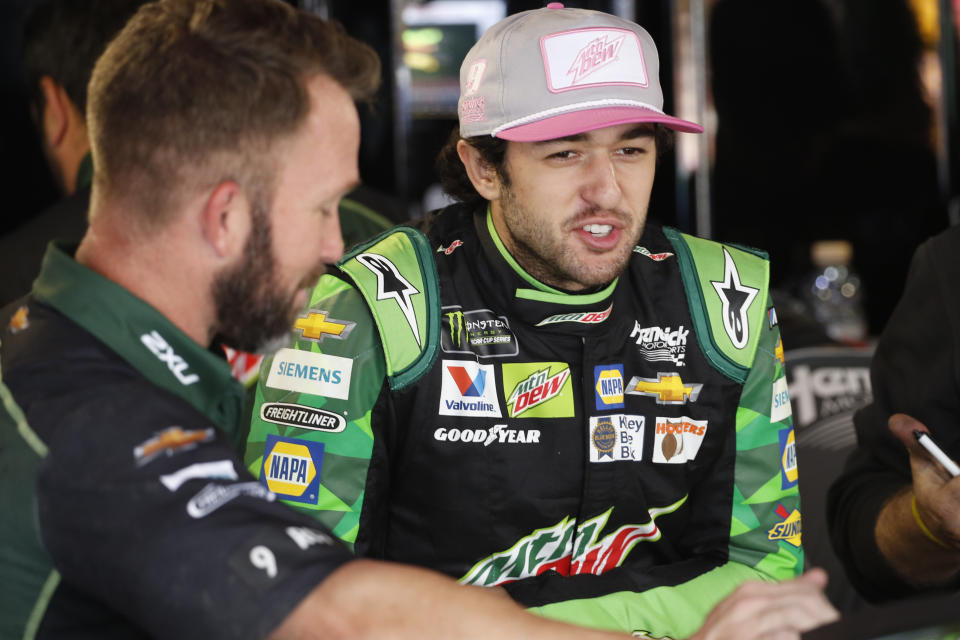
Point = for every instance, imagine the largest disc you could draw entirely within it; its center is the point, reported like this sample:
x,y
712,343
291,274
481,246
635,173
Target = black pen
x,y
927,443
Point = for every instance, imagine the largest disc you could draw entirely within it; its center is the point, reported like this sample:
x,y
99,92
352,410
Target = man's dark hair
x,y
63,39
194,92
493,151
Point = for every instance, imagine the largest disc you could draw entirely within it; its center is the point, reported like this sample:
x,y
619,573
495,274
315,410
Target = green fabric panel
x,y
698,309
753,272
346,454
768,492
758,473
676,611
410,343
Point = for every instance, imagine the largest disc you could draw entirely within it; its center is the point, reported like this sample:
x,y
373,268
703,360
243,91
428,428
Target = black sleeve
x,y
914,371
145,507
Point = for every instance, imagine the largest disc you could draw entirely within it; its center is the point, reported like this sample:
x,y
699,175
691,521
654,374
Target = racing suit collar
x,y
140,335
532,301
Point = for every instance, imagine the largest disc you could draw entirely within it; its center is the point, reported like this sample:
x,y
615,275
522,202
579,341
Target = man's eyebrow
x,y
576,137
640,131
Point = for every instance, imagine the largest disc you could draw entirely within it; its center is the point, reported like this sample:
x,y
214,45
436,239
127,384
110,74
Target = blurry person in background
x,y
62,40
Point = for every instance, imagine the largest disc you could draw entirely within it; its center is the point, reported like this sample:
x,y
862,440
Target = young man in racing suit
x,y
535,389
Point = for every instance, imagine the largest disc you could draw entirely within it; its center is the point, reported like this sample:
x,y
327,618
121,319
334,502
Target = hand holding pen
x,y
936,496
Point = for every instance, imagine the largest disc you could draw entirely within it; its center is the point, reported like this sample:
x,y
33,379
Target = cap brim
x,y
575,122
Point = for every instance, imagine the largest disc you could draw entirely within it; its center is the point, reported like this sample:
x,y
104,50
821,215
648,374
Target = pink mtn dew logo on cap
x,y
593,57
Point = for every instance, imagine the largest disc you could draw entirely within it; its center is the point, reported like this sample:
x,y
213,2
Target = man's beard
x,y
254,312
545,256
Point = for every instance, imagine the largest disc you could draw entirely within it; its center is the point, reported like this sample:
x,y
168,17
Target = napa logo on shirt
x,y
608,384
468,388
291,468
318,374
788,459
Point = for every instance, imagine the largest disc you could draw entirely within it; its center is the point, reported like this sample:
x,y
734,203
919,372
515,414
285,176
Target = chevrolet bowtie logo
x,y
314,326
666,388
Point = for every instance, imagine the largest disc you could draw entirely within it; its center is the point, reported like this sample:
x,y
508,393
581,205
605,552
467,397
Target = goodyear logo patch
x,y
788,459
608,384
291,468
789,530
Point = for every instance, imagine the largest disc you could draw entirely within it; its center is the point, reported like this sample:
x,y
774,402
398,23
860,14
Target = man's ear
x,y
226,220
55,115
483,176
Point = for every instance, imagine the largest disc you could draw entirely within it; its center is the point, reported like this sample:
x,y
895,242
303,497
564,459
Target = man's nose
x,y
602,185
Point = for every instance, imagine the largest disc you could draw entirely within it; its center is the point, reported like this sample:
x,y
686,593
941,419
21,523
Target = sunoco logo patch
x,y
790,529
291,468
304,417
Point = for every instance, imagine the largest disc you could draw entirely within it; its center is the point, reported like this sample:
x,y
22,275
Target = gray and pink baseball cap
x,y
555,72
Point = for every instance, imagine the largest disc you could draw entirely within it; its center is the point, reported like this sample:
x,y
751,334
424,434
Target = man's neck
x,y
147,266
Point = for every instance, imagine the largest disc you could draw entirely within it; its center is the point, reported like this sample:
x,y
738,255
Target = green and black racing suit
x,y
620,459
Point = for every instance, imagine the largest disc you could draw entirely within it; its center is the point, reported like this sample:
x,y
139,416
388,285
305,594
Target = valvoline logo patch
x,y
468,389
471,385
608,384
788,459
291,468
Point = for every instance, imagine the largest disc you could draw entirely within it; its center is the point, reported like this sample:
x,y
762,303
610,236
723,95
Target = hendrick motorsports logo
x,y
567,549
497,434
477,332
661,344
304,417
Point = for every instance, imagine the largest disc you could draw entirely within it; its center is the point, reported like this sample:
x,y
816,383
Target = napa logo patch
x,y
608,385
788,459
291,468
538,390
789,529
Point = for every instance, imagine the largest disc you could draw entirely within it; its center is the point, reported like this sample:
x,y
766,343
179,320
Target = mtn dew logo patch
x,y
538,390
567,549
291,468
